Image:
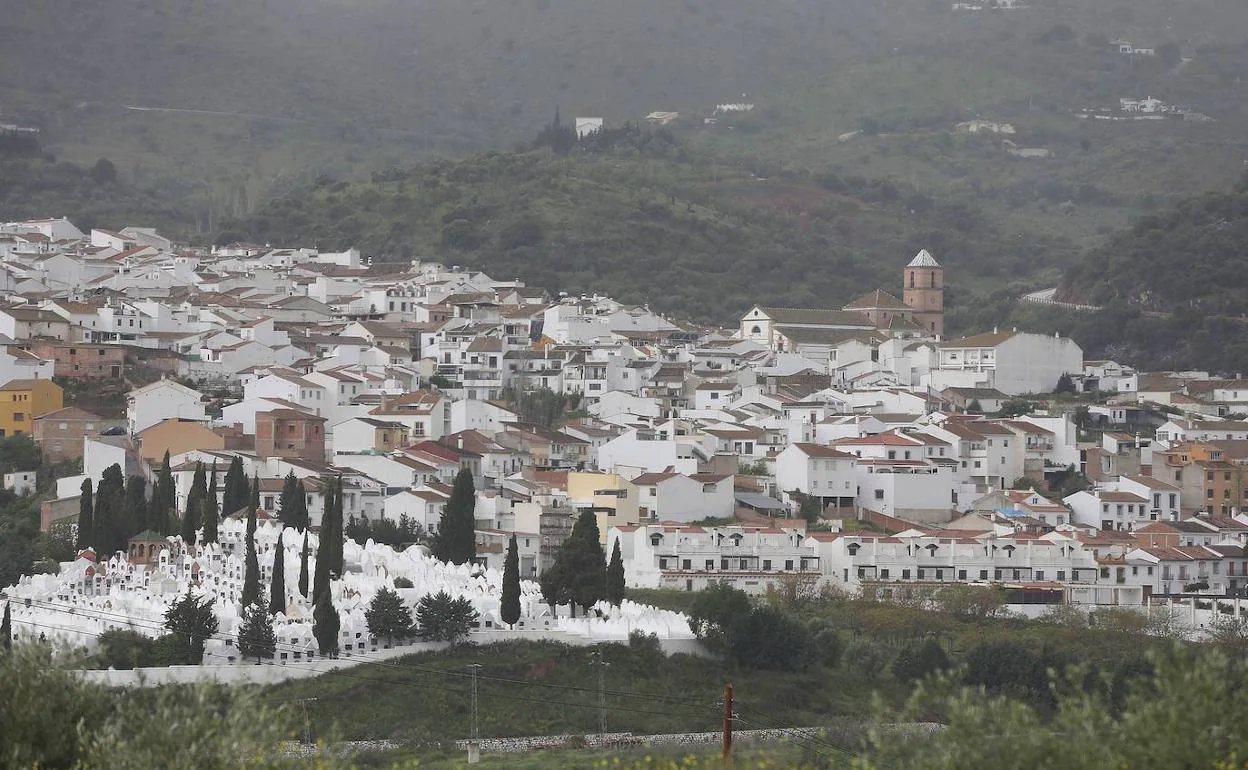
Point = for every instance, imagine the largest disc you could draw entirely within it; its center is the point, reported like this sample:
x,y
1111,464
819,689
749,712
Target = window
x,y
788,565
723,564
766,565
879,494
905,574
922,573
884,574
19,417
745,564
686,564
940,574
961,574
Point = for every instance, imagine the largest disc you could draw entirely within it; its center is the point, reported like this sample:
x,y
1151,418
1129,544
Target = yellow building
x,y
21,401
612,497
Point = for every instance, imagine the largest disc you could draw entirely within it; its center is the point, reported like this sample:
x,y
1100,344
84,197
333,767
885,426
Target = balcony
x,y
480,375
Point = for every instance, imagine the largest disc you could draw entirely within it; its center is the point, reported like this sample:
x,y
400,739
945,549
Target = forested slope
x,y
1187,258
35,184
644,222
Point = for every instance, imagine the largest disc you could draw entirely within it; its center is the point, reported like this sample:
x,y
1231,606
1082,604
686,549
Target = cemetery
x,y
133,589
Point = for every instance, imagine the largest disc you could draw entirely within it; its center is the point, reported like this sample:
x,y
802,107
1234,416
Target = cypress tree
x,y
590,585
580,568
255,490
111,525
251,569
136,505
615,576
210,518
456,541
320,578
236,493
325,624
303,567
6,628
210,512
194,505
164,499
293,504
509,610
337,538
86,517
277,588
256,638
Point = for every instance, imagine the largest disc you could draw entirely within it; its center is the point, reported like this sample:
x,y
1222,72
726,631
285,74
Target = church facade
x,y
920,313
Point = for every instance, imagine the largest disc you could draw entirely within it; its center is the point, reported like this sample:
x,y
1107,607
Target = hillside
x,y
1188,258
34,184
657,225
247,99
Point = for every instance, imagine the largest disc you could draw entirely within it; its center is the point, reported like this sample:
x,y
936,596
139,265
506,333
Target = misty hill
x,y
33,183
269,94
687,235
1189,258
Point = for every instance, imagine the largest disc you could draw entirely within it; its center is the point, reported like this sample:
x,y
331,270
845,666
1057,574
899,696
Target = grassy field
x,y
552,690
530,689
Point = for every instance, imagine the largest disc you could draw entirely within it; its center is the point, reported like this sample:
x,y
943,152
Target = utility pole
x,y
474,743
602,691
727,721
307,724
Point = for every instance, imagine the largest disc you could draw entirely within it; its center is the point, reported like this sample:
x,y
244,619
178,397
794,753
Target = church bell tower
x,y
924,290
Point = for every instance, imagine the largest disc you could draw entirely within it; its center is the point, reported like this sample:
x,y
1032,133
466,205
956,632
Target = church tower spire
x,y
924,290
